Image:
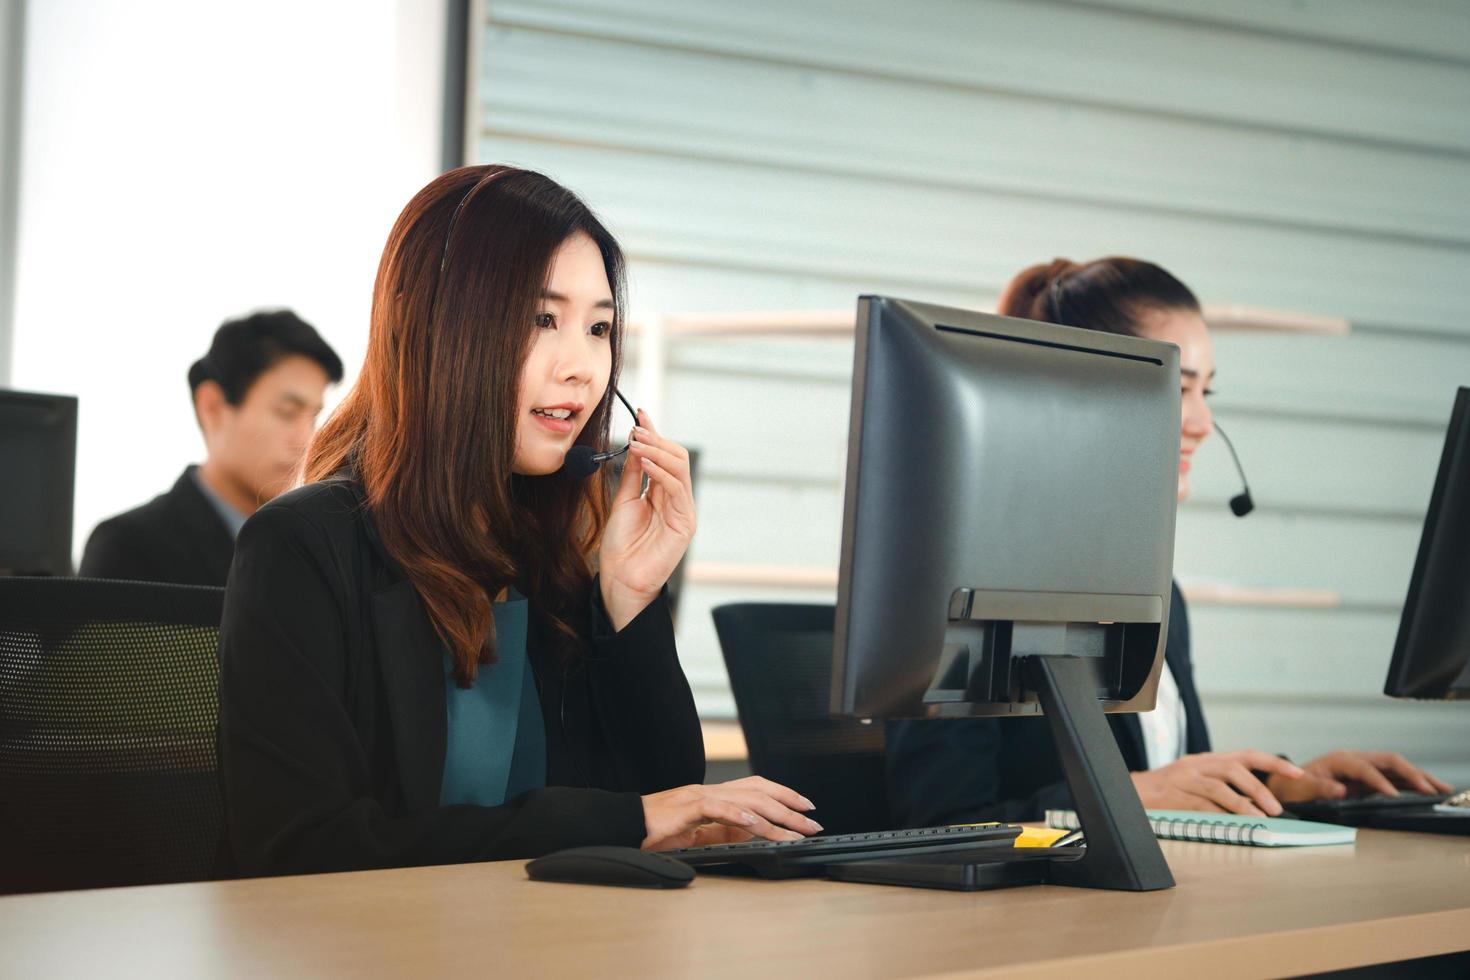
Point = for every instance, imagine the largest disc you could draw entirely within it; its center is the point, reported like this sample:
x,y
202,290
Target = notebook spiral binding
x,y
1205,829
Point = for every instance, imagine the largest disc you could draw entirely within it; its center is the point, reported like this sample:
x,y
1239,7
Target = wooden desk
x,y
1238,912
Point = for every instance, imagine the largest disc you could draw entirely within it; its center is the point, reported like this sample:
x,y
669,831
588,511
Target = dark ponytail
x,y
1110,294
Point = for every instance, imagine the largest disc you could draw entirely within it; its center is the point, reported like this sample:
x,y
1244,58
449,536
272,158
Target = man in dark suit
x,y
257,395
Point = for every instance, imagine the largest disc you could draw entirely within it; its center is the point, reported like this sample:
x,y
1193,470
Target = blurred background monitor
x,y
38,443
1011,490
1431,658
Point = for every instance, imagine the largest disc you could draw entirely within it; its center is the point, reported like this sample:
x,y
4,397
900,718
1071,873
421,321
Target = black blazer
x,y
176,537
333,726
977,769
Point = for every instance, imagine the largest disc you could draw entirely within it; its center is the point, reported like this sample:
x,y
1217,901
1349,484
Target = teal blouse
x,y
497,740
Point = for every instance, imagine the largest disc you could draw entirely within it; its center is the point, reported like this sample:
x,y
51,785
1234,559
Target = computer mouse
x,y
605,865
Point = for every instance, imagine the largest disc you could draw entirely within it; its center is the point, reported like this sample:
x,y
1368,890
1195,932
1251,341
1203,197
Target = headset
x,y
1241,504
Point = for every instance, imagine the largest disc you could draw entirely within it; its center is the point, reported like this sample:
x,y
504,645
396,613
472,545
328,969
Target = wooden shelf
x,y
1205,594
1228,318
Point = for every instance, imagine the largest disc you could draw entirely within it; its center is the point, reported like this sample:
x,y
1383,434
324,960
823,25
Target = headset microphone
x,y
582,461
1241,504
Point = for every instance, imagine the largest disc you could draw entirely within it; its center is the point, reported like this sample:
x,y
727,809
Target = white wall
x,y
186,162
12,48
1312,156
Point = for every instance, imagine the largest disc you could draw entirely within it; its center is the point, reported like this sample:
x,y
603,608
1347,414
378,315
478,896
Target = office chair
x,y
779,658
108,707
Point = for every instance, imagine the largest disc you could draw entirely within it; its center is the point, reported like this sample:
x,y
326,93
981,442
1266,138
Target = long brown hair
x,y
1110,294
429,427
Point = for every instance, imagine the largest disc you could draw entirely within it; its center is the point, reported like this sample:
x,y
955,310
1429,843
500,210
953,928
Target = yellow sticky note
x,y
1038,837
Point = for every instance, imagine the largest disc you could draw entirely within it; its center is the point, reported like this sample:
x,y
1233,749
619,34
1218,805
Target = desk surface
x,y
1237,912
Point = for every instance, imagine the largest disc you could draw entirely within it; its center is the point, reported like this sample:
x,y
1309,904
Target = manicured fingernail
x,y
818,826
808,804
640,430
749,819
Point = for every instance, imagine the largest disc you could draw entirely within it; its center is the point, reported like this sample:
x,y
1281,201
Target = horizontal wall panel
x,y
1438,28
753,218
1374,377
1065,53
762,427
784,116
1367,563
1305,465
1243,650
758,523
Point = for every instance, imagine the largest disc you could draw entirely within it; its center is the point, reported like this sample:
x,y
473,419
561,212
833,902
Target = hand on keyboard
x,y
725,813
1348,773
806,856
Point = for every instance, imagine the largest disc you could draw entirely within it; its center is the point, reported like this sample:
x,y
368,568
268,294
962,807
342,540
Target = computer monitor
x,y
1007,541
38,442
1431,659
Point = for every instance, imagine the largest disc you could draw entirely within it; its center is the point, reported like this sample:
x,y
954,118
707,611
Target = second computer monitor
x,y
1011,491
1431,659
38,449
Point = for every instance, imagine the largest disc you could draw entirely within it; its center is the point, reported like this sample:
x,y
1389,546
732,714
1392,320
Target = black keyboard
x,y
1407,811
1313,809
808,856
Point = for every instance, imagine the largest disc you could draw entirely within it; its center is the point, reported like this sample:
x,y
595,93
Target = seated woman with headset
x,y
943,772
451,645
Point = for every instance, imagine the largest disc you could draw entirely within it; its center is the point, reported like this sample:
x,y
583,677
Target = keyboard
x,y
1311,809
1407,811
810,855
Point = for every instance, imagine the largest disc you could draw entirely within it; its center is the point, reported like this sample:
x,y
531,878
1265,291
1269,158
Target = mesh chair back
x,y
108,707
779,658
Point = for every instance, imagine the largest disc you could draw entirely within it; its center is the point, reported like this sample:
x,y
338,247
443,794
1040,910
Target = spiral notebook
x,y
1228,828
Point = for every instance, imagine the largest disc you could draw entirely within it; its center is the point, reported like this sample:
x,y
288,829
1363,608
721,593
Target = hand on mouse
x,y
725,813
1214,781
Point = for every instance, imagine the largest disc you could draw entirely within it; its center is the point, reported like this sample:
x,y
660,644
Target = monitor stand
x,y
1122,852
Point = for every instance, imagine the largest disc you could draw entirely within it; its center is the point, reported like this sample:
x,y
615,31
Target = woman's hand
x,y
1215,781
1338,774
725,813
647,533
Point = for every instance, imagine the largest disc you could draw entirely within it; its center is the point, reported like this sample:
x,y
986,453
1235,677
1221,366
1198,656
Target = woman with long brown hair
x,y
448,646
